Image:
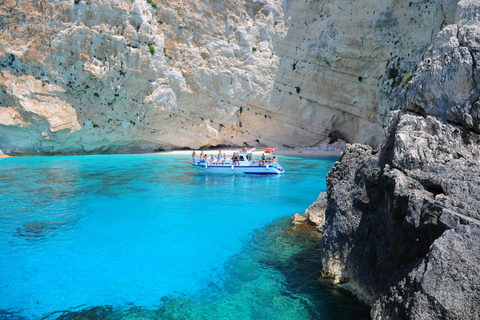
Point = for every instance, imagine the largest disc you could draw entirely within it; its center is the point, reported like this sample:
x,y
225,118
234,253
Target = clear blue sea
x,y
148,237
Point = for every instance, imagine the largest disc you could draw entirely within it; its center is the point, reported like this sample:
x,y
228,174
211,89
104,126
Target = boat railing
x,y
210,163
253,162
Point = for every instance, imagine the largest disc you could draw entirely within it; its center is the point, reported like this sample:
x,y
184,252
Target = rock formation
x,y
84,76
402,226
316,212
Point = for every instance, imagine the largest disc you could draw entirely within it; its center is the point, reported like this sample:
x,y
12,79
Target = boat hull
x,y
231,169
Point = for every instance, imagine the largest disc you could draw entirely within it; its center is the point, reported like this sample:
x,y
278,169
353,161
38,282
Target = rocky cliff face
x,y
402,226
128,75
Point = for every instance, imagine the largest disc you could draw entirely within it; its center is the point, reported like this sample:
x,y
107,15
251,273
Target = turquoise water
x,y
146,236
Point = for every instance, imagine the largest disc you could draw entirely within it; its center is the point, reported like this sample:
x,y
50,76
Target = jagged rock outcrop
x,y
402,226
316,212
126,75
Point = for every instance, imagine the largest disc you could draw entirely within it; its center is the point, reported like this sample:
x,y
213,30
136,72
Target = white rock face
x,y
455,94
113,76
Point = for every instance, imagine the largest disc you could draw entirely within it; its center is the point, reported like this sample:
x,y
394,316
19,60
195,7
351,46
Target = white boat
x,y
245,164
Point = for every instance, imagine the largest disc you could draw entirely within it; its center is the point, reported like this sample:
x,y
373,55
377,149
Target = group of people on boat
x,y
267,160
240,162
220,159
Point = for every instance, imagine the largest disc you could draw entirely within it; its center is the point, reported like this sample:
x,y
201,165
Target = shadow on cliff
x,y
396,223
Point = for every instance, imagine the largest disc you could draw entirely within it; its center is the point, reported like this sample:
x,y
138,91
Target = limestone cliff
x,y
402,226
128,75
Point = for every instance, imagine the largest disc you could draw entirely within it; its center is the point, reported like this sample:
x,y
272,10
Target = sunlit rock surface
x,y
316,212
402,226
112,76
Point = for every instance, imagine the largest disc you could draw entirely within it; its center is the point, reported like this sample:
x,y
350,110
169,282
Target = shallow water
x,y
146,236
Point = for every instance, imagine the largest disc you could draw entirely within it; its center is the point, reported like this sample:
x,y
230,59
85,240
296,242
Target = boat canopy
x,y
270,150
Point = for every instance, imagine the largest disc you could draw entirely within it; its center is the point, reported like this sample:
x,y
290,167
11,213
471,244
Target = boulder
x,y
316,212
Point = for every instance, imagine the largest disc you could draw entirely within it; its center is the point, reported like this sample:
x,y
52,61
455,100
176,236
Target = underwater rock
x,y
402,226
38,230
33,230
299,219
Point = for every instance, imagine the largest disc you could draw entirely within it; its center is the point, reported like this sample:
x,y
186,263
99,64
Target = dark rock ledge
x,y
402,224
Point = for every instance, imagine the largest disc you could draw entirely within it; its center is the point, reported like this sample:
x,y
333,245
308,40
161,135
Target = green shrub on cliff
x,y
152,49
406,80
153,4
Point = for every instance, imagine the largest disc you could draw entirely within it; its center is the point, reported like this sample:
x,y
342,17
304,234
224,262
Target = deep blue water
x,y
146,236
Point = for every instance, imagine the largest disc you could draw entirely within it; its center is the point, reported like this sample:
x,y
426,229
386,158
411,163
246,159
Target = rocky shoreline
x,y
401,224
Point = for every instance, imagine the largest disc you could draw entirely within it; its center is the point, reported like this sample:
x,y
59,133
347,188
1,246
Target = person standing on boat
x,y
262,160
244,149
194,160
274,160
235,159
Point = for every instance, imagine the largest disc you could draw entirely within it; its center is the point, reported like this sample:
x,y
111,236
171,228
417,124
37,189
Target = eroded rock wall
x,y
126,75
402,224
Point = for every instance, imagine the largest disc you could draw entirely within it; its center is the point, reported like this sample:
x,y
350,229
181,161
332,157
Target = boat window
x,y
241,158
249,157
